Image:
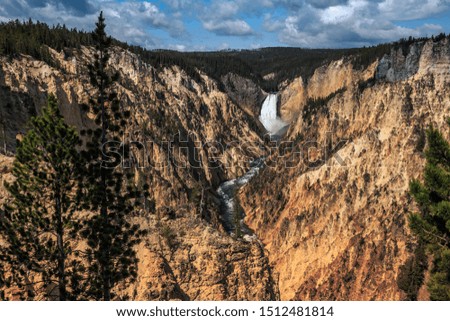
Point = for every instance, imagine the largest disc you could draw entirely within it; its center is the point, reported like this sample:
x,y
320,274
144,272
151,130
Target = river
x,y
232,214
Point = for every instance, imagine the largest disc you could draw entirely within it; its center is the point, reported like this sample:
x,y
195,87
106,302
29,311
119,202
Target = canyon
x,y
316,175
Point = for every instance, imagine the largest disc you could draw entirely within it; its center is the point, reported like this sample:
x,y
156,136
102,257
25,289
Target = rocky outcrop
x,y
400,64
244,92
326,80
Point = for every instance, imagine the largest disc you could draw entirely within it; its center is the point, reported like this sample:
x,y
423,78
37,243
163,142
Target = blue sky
x,y
244,24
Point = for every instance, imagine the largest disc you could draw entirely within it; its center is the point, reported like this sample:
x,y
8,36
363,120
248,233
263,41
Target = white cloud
x,y
341,13
179,4
411,9
141,14
222,18
228,27
357,22
272,24
223,46
225,9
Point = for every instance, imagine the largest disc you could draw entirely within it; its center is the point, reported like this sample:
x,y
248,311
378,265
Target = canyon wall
x,y
186,254
331,207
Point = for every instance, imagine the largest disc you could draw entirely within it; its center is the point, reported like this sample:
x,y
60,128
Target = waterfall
x,y
271,122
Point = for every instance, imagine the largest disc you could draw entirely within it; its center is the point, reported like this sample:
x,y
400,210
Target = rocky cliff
x,y
187,254
331,206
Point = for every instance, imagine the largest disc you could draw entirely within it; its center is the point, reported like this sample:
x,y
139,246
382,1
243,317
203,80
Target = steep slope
x,y
192,134
331,208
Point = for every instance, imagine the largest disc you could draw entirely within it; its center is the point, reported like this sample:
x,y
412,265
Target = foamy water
x,y
271,122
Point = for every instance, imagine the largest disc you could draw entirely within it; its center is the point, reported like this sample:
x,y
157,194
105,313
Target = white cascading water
x,y
271,122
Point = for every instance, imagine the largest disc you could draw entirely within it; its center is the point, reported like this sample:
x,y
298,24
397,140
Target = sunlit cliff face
x,y
337,228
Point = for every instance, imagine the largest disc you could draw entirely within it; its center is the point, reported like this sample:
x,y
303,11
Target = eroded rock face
x,y
334,220
187,255
326,80
400,65
244,92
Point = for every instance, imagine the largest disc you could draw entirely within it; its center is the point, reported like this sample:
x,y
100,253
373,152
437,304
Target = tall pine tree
x,y
38,228
109,190
432,224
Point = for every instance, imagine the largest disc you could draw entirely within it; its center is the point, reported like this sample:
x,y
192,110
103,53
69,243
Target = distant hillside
x,y
267,67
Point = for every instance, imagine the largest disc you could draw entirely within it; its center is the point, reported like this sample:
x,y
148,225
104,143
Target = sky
x,y
189,25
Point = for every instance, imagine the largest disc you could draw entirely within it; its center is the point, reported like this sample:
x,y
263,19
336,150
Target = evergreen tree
x,y
432,224
38,228
412,273
109,191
